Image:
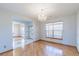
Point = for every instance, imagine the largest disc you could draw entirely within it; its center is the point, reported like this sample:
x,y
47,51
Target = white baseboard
x,y
19,45
56,42
6,50
25,43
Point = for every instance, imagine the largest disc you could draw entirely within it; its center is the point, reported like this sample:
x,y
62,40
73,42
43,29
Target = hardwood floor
x,y
43,48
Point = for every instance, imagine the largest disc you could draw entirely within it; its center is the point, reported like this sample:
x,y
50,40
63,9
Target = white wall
x,y
6,29
69,37
69,33
27,40
36,29
77,31
5,32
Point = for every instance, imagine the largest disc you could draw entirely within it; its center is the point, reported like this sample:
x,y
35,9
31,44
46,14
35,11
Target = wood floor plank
x,y
43,48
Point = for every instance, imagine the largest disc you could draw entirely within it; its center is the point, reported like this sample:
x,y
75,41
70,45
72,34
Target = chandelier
x,y
42,16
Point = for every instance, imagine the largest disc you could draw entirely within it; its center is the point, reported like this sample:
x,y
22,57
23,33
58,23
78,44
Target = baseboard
x,y
31,42
26,43
6,51
16,47
38,40
59,43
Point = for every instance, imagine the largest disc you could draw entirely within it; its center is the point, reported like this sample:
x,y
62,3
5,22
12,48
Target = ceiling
x,y
33,9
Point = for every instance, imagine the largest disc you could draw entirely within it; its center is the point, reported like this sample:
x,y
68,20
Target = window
x,y
54,30
30,32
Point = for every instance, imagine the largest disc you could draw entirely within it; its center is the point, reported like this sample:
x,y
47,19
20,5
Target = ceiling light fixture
x,y
42,15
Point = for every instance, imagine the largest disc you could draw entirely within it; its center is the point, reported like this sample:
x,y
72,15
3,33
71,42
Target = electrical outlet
x,y
4,46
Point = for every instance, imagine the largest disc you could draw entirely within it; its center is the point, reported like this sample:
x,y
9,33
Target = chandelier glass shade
x,y
42,16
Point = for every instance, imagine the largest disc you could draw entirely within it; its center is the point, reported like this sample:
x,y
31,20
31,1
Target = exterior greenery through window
x,y
54,30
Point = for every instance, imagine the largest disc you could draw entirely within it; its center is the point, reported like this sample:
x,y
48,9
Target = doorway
x,y
18,32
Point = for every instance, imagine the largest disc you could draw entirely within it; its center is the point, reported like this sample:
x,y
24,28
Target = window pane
x,y
54,29
57,36
49,33
47,28
57,32
58,26
58,29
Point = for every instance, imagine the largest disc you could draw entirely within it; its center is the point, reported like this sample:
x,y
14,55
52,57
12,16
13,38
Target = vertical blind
x,y
54,30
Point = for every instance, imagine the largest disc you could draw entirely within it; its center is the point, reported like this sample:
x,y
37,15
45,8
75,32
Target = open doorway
x,y
18,32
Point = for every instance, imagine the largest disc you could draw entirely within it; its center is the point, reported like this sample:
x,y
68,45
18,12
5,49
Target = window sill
x,y
55,38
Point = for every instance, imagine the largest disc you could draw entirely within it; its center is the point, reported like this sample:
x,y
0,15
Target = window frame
x,y
53,31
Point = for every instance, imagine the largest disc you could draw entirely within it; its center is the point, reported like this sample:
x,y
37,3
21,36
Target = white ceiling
x,y
32,9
